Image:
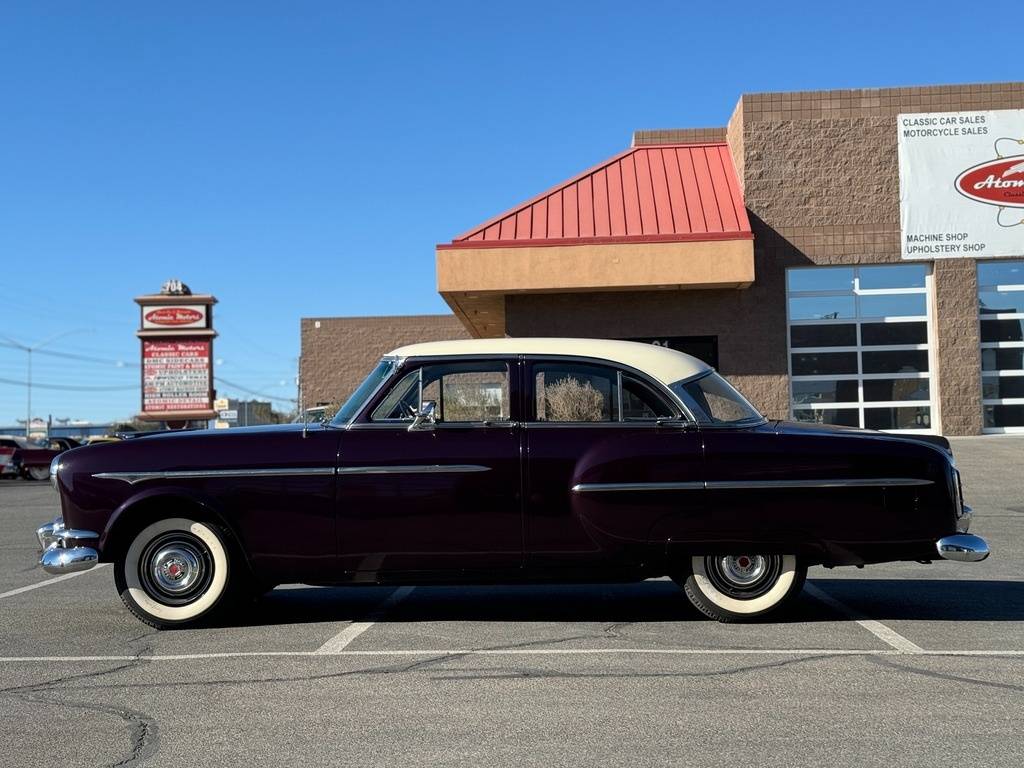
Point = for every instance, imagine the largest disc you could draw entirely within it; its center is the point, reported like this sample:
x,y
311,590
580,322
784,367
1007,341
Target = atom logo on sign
x,y
999,181
174,316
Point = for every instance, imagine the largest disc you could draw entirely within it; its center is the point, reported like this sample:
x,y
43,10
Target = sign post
x,y
176,331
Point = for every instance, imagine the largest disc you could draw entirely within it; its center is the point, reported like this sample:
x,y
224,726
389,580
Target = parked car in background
x,y
33,457
12,447
509,460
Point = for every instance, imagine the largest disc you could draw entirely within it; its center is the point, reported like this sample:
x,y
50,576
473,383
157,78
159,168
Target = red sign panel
x,y
175,375
174,316
996,182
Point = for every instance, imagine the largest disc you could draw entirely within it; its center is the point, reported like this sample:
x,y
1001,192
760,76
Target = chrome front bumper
x,y
963,547
66,550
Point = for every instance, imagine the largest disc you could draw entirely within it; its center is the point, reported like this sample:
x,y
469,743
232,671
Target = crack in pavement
x,y
945,675
525,674
143,732
392,669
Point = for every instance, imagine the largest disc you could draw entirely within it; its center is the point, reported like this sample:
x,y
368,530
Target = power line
x,y
74,356
66,387
120,364
254,392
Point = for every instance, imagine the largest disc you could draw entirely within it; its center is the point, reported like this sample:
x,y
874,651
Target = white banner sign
x,y
962,184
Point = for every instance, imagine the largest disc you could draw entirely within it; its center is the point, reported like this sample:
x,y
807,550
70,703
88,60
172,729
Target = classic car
x,y
508,460
36,457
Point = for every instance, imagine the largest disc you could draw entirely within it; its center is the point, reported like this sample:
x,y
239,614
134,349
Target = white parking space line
x,y
48,582
794,652
344,638
885,633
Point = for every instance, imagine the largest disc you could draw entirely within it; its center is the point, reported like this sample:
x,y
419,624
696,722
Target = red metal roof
x,y
650,193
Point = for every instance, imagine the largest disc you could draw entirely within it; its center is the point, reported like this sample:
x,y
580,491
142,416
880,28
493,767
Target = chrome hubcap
x,y
743,577
742,570
176,568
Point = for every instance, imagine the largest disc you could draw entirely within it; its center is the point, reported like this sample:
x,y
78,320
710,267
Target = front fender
x,y
111,540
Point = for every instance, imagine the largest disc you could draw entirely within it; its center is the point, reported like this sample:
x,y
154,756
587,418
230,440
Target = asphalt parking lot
x,y
892,665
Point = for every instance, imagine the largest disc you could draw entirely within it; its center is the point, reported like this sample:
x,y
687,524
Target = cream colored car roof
x,y
665,365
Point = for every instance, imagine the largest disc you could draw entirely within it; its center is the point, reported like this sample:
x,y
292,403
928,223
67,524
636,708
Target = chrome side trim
x,y
869,482
696,485
720,485
413,469
190,474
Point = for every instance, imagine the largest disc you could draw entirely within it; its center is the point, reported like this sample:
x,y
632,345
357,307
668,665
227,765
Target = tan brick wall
x,y
678,136
957,355
338,354
734,137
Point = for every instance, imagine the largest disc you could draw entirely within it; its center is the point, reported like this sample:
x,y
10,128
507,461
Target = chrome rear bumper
x,y
963,547
66,550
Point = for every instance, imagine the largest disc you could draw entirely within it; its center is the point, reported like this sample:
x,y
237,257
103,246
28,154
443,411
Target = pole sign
x,y
176,331
175,375
961,184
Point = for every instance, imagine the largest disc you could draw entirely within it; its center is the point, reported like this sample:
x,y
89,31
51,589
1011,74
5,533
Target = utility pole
x,y
30,349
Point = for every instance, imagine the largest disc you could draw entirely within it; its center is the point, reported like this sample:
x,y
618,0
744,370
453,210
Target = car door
x,y
441,497
610,455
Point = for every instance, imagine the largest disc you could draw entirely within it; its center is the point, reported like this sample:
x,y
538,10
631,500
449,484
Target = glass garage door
x,y
859,352
1001,317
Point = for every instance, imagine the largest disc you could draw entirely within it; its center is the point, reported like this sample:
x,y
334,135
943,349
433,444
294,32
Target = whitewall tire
x,y
738,587
175,572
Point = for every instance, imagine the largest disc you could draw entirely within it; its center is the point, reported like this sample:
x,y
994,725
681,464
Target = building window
x,y
859,352
1001,318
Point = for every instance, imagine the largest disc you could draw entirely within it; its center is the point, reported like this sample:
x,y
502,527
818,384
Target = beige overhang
x,y
475,281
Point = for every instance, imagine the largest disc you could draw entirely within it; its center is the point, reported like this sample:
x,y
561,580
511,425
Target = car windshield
x,y
355,401
713,400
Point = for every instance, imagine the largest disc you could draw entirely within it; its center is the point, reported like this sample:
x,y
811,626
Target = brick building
x,y
816,249
338,352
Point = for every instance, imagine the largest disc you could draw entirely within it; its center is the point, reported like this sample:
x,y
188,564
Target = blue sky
x,y
302,159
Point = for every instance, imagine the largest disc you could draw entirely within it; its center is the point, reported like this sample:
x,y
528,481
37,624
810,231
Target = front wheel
x,y
738,587
175,573
37,473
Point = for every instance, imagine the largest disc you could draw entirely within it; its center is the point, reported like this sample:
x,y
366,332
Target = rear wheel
x,y
175,572
38,473
738,587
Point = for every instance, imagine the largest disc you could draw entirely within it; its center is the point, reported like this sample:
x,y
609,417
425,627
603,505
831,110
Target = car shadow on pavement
x,y
930,599
651,601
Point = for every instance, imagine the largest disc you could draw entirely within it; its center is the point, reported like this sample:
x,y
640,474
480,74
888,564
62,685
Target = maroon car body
x,y
372,500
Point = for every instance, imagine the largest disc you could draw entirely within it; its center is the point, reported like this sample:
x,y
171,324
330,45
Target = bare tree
x,y
569,400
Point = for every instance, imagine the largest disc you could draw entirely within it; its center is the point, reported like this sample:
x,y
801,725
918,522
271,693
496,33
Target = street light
x,y
30,349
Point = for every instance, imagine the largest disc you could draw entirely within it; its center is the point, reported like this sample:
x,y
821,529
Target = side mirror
x,y
423,420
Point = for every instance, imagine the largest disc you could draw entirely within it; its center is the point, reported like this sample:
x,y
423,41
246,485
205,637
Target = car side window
x,y
641,403
575,392
401,401
463,393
